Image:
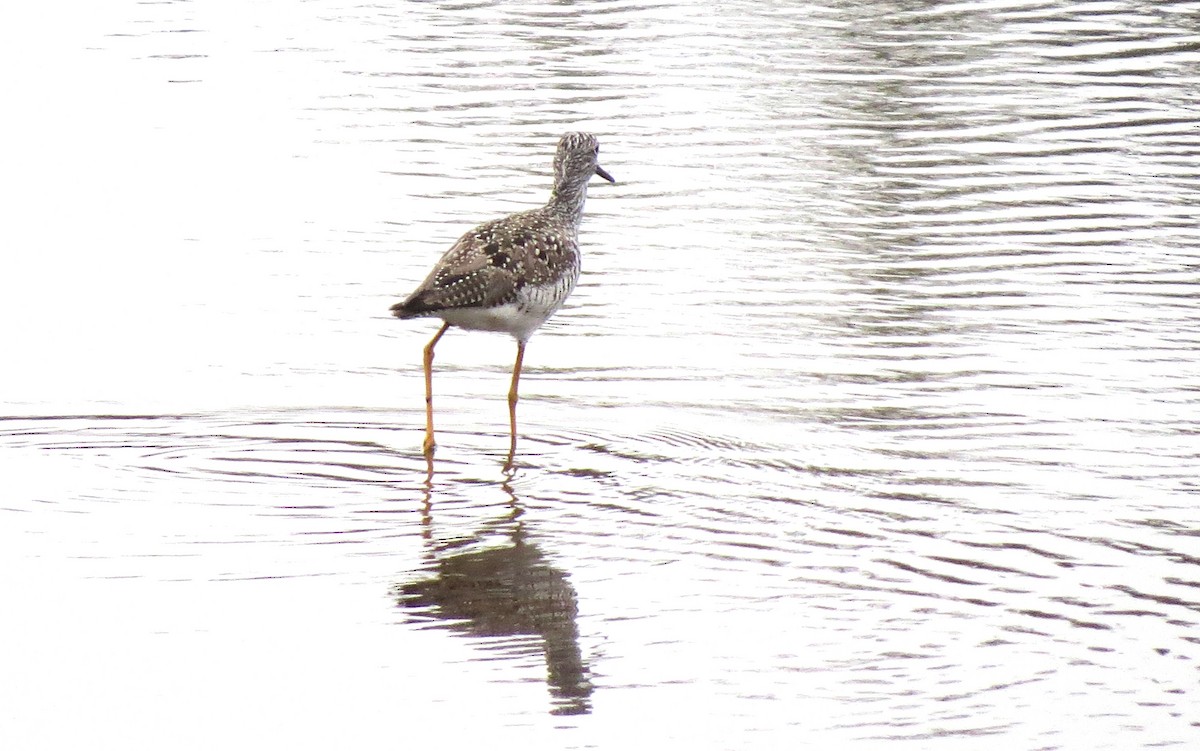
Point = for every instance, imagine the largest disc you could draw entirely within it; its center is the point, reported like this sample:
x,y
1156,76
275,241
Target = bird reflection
x,y
506,591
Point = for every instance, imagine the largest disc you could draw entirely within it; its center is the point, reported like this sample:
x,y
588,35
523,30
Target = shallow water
x,y
873,419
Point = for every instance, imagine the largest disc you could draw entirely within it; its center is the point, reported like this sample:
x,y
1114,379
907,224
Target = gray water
x,y
872,423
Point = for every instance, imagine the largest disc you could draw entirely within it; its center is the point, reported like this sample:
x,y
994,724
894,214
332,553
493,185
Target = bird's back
x,y
529,261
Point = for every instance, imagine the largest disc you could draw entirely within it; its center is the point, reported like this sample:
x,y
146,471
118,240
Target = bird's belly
x,y
534,304
510,319
498,318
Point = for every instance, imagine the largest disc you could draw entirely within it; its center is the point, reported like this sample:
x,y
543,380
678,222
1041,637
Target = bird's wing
x,y
485,267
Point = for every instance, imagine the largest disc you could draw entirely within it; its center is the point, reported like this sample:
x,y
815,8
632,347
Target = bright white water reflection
x,y
873,420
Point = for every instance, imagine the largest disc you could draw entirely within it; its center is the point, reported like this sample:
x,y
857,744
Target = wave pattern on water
x,y
873,418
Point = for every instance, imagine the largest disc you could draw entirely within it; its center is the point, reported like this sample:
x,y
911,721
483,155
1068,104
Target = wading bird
x,y
510,274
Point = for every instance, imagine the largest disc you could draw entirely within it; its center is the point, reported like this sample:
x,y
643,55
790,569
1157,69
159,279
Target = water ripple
x,y
876,403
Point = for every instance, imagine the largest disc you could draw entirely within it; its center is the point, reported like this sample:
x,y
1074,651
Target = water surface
x,y
872,421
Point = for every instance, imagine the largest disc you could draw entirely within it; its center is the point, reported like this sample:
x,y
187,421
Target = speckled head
x,y
578,158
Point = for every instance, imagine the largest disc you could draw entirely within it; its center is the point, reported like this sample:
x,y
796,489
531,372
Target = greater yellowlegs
x,y
510,274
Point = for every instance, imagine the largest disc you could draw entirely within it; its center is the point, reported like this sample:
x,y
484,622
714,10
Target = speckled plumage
x,y
510,274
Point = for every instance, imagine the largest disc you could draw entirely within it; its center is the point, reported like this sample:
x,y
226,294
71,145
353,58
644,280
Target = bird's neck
x,y
567,201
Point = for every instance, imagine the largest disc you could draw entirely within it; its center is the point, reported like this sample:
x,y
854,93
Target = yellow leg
x,y
428,446
512,405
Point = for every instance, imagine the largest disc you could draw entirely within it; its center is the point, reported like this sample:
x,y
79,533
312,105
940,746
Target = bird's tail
x,y
423,302
403,310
